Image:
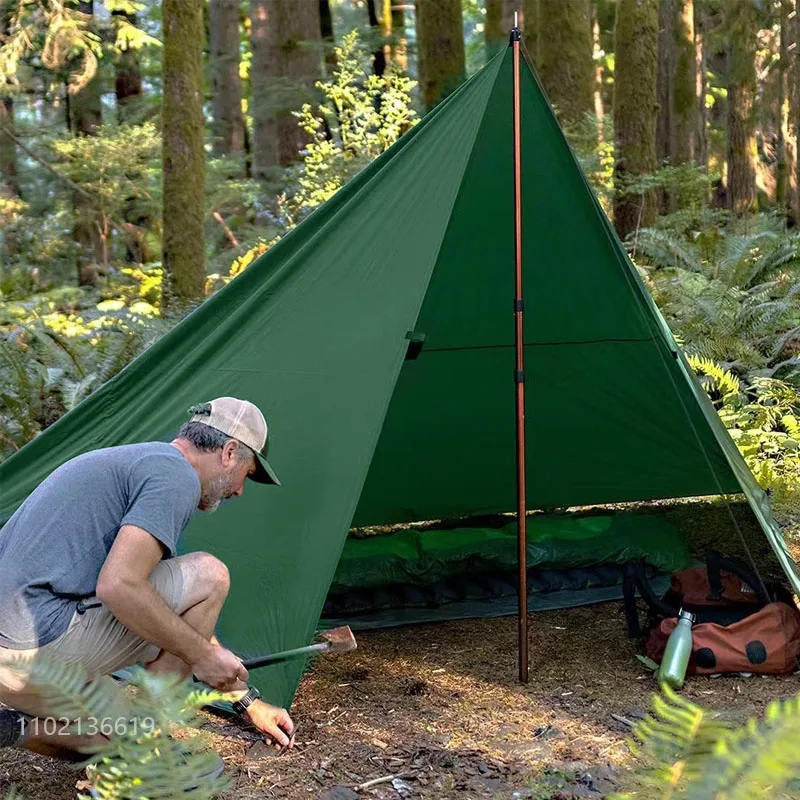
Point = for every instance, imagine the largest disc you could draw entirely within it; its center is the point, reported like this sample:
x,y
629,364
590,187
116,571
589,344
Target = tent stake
x,y
522,540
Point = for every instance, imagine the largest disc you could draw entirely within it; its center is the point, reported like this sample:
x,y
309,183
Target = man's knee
x,y
212,574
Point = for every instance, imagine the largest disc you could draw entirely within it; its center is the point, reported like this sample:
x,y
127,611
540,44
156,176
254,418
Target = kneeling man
x,y
89,571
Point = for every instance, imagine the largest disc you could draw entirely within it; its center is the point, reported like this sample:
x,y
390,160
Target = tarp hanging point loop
x,y
415,341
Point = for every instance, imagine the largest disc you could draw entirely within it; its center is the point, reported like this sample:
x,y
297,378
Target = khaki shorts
x,y
96,639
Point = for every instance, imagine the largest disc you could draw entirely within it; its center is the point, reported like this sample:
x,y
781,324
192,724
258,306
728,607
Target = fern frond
x,y
757,760
664,249
674,744
141,758
742,253
785,252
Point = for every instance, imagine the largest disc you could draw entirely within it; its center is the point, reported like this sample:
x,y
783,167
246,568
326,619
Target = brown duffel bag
x,y
768,641
741,623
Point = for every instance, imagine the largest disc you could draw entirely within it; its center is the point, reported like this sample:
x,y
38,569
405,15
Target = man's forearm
x,y
139,607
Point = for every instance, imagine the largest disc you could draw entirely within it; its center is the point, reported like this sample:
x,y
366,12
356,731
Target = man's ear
x,y
229,452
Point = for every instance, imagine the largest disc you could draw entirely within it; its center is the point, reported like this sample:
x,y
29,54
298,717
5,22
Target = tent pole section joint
x,y
519,376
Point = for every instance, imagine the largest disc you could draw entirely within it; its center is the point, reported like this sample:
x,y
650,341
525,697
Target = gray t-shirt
x,y
52,549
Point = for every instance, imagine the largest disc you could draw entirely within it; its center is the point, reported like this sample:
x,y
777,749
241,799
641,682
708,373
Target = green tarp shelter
x,y
317,333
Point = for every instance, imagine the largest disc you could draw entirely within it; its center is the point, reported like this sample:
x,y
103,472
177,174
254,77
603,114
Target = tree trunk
x,y
676,126
9,179
378,55
183,164
599,107
440,45
701,68
564,57
782,167
741,54
530,15
8,150
635,107
326,32
128,78
795,116
86,117
664,78
85,105
684,106
498,24
285,39
227,129
394,30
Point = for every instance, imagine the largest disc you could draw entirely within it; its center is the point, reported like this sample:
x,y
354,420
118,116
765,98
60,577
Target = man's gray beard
x,y
217,490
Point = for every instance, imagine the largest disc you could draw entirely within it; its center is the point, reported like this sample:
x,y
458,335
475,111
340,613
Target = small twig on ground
x,y
623,720
384,779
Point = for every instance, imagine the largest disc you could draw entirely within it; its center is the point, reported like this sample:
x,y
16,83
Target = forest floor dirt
x,y
438,709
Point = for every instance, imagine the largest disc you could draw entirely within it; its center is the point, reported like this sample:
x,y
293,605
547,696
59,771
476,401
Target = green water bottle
x,y
677,652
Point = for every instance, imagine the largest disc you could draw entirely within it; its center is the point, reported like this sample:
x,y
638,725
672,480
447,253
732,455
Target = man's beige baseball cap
x,y
241,420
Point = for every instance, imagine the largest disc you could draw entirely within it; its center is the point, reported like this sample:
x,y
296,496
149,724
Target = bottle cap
x,y
686,615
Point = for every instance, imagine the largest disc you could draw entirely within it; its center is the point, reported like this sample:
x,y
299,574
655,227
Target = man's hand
x,y
220,669
275,722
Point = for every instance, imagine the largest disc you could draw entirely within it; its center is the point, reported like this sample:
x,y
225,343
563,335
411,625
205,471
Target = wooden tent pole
x,y
519,377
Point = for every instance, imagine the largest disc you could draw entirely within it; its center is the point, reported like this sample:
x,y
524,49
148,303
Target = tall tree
x,y
378,55
599,106
440,45
564,57
128,78
636,56
183,164
741,28
701,68
326,31
664,77
394,29
782,175
498,24
9,180
86,114
285,40
85,119
226,86
794,114
530,23
676,124
684,86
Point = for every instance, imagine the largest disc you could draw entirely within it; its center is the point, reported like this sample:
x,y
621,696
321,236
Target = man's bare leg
x,y
206,584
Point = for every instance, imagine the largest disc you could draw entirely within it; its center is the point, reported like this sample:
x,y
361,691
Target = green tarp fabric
x,y
423,557
315,332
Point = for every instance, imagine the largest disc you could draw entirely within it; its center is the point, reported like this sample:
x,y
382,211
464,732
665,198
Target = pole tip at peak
x,y
515,32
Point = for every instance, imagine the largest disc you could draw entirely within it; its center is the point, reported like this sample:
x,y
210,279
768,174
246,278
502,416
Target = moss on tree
x,y
183,164
564,57
440,48
635,111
